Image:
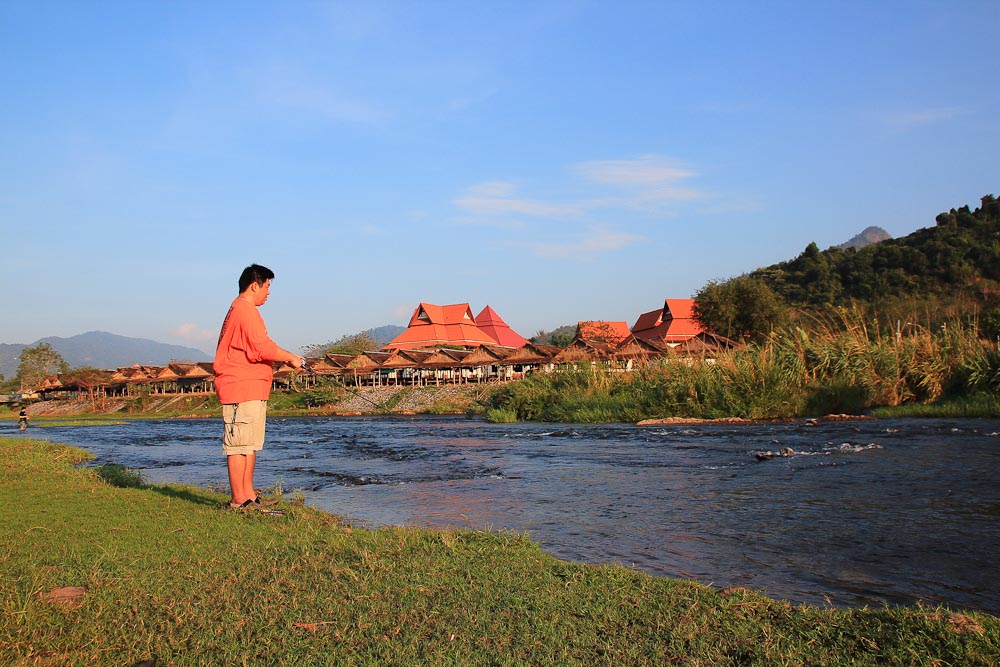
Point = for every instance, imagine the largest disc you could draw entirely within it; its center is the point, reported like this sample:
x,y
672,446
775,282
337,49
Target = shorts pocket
x,y
244,425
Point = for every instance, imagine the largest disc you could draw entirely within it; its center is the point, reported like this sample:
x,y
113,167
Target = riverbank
x,y
458,399
99,574
399,400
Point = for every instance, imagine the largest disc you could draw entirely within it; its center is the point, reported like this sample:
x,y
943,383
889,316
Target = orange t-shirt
x,y
243,357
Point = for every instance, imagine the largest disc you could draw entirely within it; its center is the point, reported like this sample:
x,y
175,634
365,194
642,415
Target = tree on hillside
x,y
352,345
814,275
743,308
560,337
38,363
603,332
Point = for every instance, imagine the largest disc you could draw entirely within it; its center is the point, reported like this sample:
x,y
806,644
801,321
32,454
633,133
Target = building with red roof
x,y
453,325
493,325
672,324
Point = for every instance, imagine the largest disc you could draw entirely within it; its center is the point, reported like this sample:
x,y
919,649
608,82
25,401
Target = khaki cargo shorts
x,y
244,427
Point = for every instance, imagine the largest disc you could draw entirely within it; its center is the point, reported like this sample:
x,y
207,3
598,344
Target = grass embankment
x,y
851,366
165,573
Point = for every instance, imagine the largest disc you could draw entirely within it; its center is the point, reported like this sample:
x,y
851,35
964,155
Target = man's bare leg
x,y
237,465
248,475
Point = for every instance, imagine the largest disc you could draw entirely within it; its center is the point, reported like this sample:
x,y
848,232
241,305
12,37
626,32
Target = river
x,y
863,513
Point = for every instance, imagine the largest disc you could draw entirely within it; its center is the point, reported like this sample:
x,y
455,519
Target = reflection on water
x,y
861,512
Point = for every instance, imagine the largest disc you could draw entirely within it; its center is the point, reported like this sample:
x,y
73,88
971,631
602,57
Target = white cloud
x,y
639,189
194,333
497,221
653,171
665,193
493,189
496,198
403,313
648,183
595,241
908,120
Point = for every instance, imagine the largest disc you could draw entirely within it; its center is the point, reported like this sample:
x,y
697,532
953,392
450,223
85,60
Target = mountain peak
x,y
869,236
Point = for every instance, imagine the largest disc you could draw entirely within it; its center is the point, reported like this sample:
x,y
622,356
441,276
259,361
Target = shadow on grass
x,y
129,478
187,495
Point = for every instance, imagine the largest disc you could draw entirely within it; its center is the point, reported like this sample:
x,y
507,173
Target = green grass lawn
x,y
165,573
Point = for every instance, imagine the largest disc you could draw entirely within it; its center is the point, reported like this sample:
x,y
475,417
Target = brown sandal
x,y
246,504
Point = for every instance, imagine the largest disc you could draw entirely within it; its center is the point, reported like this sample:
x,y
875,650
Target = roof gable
x,y
641,348
650,320
429,313
673,323
682,309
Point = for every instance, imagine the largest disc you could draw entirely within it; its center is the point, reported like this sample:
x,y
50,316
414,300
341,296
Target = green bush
x,y
120,476
500,416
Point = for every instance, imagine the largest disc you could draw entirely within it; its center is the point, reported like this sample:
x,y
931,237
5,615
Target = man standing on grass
x,y
243,376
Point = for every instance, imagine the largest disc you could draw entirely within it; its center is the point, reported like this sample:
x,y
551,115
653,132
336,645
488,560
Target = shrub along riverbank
x,y
95,574
850,366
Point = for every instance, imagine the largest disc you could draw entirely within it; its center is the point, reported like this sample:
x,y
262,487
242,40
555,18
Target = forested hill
x,y
960,254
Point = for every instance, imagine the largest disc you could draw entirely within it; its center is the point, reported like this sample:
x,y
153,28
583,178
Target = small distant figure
x,y
22,419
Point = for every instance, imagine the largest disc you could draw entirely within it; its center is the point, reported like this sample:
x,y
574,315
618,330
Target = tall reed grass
x,y
846,362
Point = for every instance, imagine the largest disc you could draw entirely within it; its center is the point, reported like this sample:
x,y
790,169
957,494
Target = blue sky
x,y
558,161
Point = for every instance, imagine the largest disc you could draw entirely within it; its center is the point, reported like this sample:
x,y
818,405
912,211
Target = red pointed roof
x,y
493,325
674,323
433,325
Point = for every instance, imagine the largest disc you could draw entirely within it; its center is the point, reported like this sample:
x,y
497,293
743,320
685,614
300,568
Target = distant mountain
x,y
384,334
869,236
102,350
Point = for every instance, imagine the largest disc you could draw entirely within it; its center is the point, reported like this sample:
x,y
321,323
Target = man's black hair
x,y
255,273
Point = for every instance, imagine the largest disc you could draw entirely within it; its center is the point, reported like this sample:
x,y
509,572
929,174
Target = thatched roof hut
x,y
487,355
533,354
585,351
399,359
640,350
368,362
445,358
705,344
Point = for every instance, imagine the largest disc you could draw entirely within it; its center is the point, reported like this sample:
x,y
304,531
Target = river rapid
x,y
862,513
